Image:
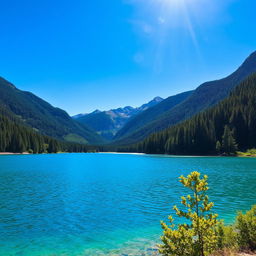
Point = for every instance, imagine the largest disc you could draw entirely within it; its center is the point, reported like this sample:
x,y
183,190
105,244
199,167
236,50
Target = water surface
x,y
106,204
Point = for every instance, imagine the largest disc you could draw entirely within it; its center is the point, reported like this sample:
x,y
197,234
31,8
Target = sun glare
x,y
165,21
172,2
169,6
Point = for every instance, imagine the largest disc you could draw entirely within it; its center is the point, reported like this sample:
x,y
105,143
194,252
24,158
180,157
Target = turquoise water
x,y
106,204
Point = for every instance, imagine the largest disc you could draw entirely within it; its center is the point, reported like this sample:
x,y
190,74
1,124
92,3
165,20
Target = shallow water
x,y
106,204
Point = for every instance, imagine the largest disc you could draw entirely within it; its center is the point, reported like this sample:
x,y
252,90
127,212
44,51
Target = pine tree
x,y
200,134
228,142
198,235
218,147
17,138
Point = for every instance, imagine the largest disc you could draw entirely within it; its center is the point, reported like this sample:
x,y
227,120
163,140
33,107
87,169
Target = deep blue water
x,y
106,204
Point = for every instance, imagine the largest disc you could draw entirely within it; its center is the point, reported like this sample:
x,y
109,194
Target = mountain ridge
x,y
206,95
222,129
145,105
32,111
107,123
151,113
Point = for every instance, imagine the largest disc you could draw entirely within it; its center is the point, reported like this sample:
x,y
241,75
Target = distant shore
x,y
240,154
11,153
122,153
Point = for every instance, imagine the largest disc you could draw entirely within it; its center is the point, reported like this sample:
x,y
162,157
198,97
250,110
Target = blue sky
x,y
83,55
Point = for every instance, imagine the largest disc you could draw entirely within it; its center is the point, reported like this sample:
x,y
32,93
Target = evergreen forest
x,y
223,129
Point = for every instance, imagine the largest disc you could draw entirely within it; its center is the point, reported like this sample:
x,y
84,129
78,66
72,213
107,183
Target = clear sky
x,y
83,55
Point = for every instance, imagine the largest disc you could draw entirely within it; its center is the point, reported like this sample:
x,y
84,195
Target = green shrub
x,y
202,234
227,237
251,151
199,236
246,227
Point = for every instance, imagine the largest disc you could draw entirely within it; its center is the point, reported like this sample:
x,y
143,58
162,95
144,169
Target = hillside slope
x,y
228,126
108,123
34,112
17,138
206,95
152,114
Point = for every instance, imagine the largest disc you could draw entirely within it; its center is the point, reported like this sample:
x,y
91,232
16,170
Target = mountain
x,y
150,104
30,110
107,123
151,114
17,138
224,128
205,96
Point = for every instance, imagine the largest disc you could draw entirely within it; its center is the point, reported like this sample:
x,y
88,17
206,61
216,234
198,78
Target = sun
x,y
171,2
174,3
163,18
171,5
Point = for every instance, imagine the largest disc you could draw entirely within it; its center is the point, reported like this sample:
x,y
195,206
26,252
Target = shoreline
x,y
11,153
134,153
166,155
122,153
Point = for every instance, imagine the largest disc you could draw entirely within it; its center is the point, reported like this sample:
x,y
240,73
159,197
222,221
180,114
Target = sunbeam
x,y
168,22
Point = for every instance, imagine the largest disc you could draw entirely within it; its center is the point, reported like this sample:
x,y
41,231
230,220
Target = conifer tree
x,y
232,122
218,147
15,137
228,142
198,235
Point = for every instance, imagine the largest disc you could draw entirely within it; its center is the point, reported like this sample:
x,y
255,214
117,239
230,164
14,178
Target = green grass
x,y
248,153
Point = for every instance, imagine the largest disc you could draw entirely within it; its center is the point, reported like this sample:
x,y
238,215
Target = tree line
x,y
18,139
222,129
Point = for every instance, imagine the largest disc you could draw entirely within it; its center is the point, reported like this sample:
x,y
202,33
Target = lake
x,y
106,204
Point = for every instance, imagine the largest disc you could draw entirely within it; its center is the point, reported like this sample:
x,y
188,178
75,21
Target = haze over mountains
x,y
152,114
108,123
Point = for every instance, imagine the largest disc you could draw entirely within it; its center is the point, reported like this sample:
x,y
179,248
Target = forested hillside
x,y
36,113
205,96
224,128
152,114
18,139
